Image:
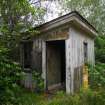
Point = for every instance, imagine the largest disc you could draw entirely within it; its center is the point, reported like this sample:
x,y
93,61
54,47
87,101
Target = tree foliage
x,y
92,10
96,76
16,16
100,49
10,75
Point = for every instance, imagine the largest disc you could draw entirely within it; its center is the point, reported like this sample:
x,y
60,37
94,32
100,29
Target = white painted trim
x,y
44,68
69,75
85,26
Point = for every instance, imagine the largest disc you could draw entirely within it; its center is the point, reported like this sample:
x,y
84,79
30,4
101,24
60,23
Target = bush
x,y
90,97
100,49
100,55
10,75
38,81
85,97
97,76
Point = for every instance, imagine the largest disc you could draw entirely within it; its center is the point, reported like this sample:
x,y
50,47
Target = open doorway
x,y
56,73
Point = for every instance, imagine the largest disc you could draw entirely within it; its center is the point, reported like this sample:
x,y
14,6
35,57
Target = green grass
x,y
30,98
87,97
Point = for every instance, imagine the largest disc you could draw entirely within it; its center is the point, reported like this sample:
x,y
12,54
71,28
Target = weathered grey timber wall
x,y
37,55
27,81
36,62
78,35
74,51
69,77
75,55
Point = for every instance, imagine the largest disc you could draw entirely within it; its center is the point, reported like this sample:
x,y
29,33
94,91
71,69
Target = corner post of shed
x,y
69,79
44,68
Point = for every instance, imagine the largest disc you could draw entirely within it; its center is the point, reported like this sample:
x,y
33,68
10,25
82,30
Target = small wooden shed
x,y
64,45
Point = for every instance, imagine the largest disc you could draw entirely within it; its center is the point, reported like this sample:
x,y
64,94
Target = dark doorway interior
x,y
56,64
27,54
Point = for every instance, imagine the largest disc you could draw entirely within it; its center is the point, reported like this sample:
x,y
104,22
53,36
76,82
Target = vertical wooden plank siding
x,y
77,38
37,55
74,51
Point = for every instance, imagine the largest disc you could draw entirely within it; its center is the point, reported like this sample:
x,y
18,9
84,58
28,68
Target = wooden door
x,y
53,65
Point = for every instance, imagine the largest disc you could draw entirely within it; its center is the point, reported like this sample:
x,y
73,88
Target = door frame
x,y
44,63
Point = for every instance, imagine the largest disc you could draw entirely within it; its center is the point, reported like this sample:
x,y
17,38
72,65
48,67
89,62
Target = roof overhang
x,y
73,17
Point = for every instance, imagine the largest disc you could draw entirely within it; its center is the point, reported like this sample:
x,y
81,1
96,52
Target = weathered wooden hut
x,y
64,45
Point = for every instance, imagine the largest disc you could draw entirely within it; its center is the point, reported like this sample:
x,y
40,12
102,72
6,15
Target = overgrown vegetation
x,y
97,76
10,75
19,15
16,16
38,82
100,49
85,97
